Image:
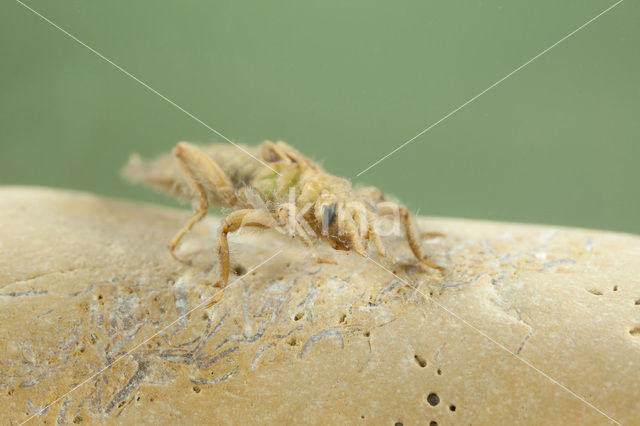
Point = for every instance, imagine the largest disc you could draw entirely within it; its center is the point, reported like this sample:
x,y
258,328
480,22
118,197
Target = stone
x,y
98,324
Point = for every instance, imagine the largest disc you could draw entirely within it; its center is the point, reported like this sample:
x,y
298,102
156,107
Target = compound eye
x,y
328,215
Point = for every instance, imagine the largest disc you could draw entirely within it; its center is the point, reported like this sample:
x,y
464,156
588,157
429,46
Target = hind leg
x,y
203,176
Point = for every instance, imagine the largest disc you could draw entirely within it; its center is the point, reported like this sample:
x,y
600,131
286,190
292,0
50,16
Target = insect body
x,y
278,188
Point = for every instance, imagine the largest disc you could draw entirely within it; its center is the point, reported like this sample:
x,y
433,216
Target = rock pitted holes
x,y
421,361
433,399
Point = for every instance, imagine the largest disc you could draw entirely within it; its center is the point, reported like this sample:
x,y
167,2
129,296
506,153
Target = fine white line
x,y
144,341
491,87
145,85
500,345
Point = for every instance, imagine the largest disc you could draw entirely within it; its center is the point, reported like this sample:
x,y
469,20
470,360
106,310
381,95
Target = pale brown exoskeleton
x,y
278,188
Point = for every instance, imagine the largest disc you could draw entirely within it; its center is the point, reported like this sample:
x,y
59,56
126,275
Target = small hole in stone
x,y
637,302
77,419
367,333
205,316
595,292
452,408
298,316
615,288
398,424
240,270
421,361
634,331
439,372
433,399
138,398
433,423
292,342
343,318
196,389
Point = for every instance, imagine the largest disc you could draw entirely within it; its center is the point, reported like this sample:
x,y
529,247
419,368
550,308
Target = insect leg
x,y
347,223
287,216
296,156
280,151
198,167
272,154
233,222
198,214
373,234
204,177
361,219
412,235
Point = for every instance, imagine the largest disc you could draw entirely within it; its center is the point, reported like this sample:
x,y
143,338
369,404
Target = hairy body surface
x,y
278,188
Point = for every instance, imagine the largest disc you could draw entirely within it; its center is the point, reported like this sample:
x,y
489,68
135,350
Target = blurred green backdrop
x,y
346,82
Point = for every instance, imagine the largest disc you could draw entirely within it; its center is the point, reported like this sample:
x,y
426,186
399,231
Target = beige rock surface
x,y
99,322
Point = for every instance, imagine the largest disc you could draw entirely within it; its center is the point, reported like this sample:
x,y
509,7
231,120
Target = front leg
x,y
287,216
410,231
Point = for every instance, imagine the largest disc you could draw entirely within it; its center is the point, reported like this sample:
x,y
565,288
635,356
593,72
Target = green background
x,y
346,82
